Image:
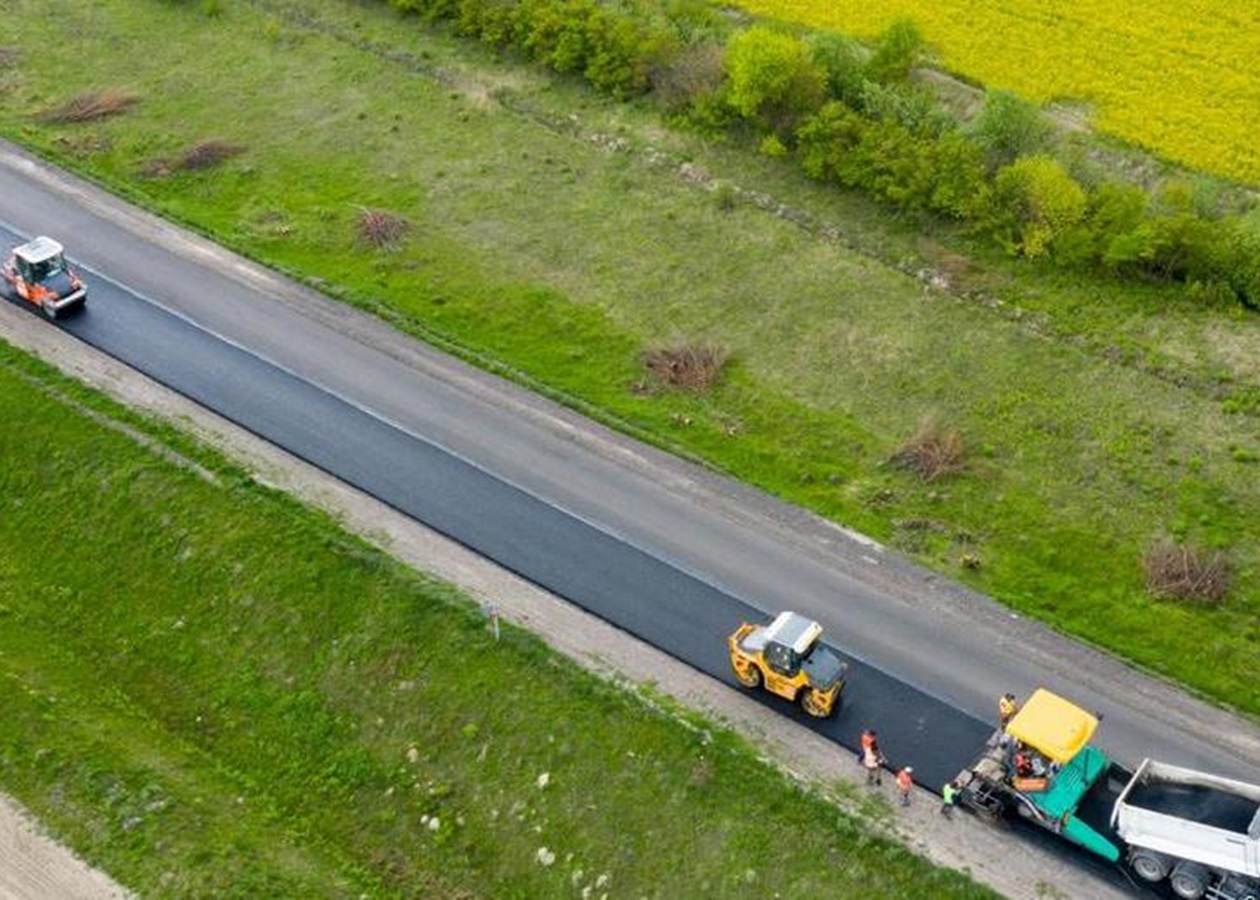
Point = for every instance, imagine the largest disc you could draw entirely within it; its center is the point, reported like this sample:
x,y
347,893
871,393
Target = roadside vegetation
x,y
208,690
1083,415
1180,80
862,118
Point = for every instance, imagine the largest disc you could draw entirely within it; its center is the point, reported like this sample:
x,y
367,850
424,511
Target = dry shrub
x,y
379,228
88,107
688,367
948,269
204,154
1183,573
934,451
694,73
201,155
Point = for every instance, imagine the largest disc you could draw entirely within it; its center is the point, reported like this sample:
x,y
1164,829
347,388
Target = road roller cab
x,y
37,272
788,658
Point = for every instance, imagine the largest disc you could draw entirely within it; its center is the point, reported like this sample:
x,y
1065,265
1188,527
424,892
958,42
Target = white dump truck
x,y
1199,831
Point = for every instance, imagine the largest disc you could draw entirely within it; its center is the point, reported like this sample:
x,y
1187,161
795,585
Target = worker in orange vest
x,y
871,758
904,783
1023,764
1007,707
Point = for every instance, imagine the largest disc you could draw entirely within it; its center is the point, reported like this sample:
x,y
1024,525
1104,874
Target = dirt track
x,y
34,867
995,858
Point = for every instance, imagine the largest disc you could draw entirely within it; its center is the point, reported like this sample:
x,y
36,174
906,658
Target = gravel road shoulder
x,y
33,866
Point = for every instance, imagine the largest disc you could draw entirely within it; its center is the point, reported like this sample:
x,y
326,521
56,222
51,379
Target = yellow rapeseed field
x,y
1180,77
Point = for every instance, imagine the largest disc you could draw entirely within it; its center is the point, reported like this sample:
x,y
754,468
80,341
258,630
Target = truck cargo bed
x,y
1196,803
1096,806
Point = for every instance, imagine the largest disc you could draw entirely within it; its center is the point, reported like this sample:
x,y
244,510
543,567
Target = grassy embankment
x,y
209,690
1099,416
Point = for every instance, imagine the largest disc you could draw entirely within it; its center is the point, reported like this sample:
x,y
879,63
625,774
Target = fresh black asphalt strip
x,y
646,596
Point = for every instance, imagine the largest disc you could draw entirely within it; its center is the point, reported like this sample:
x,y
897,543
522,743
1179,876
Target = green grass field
x,y
209,690
1100,417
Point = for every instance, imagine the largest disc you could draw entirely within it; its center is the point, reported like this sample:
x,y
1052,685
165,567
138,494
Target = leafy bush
x,y
612,48
692,23
843,63
826,139
1240,266
773,79
1036,203
909,105
621,53
942,174
1180,246
1008,127
555,32
493,22
960,188
1113,234
897,51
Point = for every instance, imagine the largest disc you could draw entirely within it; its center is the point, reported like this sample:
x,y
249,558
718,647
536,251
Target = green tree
x,y
843,63
773,79
1182,243
827,138
897,51
1008,127
909,105
622,51
1240,265
1113,234
1037,202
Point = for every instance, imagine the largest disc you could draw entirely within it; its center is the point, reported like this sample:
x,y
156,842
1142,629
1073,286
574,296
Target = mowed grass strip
x,y
1099,419
209,690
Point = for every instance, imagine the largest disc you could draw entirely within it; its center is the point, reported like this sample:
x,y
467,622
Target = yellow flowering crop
x,y
1180,78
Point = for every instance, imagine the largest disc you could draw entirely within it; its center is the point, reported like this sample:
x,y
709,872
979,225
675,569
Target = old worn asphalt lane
x,y
673,558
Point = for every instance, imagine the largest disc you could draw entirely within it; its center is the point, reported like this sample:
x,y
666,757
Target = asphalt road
x,y
666,551
629,587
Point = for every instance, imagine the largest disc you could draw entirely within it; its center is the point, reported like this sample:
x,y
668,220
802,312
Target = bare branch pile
x,y
380,228
688,367
934,452
89,107
1183,573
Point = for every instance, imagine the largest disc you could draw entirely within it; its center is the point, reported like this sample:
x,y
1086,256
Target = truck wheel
x,y
749,678
1150,866
1189,881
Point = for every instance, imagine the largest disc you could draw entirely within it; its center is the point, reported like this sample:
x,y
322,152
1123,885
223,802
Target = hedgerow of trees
x,y
854,115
